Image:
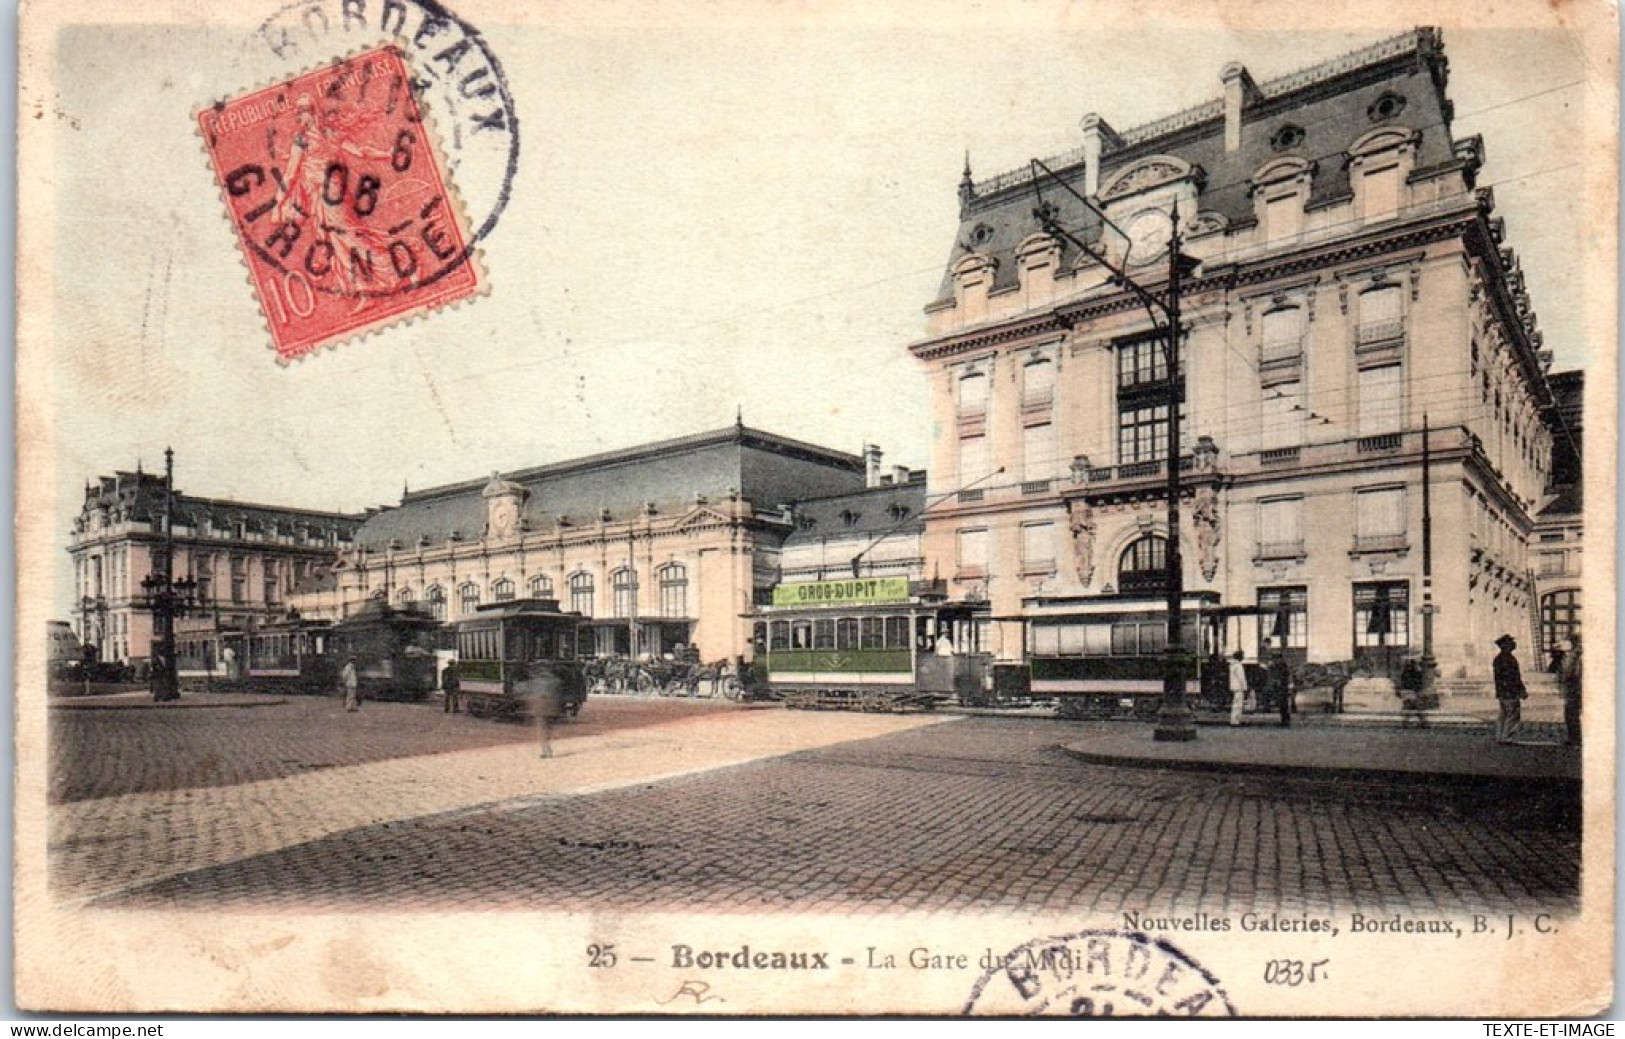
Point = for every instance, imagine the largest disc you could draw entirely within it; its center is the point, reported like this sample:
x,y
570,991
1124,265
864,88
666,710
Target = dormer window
x,y
897,511
850,518
1379,162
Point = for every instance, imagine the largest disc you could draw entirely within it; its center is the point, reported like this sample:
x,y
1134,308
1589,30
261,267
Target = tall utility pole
x,y
1175,722
165,675
1429,665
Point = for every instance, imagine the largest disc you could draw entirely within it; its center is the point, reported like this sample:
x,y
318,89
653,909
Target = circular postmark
x,y
1098,974
455,72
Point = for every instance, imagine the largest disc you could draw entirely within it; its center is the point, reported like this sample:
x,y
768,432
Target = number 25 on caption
x,y
601,957
1296,972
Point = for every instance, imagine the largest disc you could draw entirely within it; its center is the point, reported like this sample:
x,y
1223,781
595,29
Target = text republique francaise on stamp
x,y
340,201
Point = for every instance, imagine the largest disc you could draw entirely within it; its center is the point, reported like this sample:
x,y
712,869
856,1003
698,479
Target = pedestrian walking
x,y
545,691
1280,685
452,687
1570,677
1509,690
351,685
1238,686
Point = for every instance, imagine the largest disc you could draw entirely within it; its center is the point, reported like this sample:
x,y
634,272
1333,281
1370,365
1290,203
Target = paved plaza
x,y
654,804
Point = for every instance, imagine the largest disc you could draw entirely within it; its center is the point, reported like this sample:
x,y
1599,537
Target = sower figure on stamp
x,y
1509,690
451,686
1238,686
350,682
1570,677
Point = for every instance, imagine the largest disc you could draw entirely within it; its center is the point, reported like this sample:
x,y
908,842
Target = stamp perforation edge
x,y
423,308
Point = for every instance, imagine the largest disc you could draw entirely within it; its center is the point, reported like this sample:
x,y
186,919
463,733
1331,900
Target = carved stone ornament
x,y
1205,520
1140,178
1080,469
1081,521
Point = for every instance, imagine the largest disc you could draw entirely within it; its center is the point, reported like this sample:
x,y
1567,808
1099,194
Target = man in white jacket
x,y
1238,686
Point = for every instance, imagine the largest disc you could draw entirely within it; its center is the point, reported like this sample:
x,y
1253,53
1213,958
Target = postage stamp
x,y
340,201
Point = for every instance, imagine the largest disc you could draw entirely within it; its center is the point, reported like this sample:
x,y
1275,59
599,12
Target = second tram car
x,y
394,651
509,654
867,644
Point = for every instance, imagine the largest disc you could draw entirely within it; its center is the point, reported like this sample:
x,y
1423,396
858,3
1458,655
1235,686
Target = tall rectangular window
x,y
973,552
1382,400
1282,334
1379,519
1038,452
1281,416
1382,618
975,460
1143,394
1285,625
1280,527
1283,216
1037,548
1380,189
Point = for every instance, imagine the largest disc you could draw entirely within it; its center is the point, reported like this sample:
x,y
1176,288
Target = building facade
x,y
877,531
664,545
248,560
1559,526
1357,316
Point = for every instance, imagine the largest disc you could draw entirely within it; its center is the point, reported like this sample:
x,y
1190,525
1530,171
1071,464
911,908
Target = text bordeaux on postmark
x,y
340,201
1098,974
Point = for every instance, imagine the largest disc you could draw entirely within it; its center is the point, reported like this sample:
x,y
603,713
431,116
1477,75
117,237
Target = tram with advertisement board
x,y
393,649
871,644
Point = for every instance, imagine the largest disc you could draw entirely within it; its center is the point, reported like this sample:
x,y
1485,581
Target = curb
x,y
183,704
1387,775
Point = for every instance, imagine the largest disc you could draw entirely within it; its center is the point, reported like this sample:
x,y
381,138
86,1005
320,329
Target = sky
x,y
734,214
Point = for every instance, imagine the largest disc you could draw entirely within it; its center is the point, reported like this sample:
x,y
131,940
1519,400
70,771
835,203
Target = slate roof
x,y
866,513
1329,102
139,496
768,470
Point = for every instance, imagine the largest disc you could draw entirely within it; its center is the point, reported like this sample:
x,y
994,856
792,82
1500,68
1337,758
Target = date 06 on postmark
x,y
340,202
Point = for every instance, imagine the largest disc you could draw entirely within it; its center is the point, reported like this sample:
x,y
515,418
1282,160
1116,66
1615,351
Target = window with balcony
x,y
1382,318
1280,528
1282,330
1379,520
1037,548
972,552
1143,566
1143,394
971,406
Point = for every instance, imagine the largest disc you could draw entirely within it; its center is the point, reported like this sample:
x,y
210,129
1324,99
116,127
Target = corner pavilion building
x,y
1354,285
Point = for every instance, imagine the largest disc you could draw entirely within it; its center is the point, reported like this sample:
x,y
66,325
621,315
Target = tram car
x,y
511,655
867,644
394,651
1104,656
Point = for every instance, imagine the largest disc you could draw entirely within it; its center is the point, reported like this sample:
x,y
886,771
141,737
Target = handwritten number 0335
x,y
1295,972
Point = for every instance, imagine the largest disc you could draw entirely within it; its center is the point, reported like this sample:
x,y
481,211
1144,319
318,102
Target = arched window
x,y
673,579
541,587
581,594
437,602
1143,567
468,598
623,585
406,598
502,590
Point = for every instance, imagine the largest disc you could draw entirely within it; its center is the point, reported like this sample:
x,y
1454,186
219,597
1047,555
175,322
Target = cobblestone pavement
x,y
104,845
104,753
972,814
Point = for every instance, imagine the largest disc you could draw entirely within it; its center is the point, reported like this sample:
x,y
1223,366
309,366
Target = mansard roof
x,y
866,513
768,470
1334,104
139,497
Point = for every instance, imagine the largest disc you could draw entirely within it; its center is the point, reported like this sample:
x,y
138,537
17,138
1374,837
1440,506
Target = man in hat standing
x,y
1509,690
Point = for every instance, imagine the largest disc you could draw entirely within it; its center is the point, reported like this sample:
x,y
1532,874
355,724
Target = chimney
x,y
871,463
1098,138
1239,92
899,475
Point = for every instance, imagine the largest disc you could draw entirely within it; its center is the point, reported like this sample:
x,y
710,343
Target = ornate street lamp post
x,y
167,598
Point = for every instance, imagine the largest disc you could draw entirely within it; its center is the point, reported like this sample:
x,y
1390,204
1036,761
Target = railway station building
x,y
663,545
1356,296
249,562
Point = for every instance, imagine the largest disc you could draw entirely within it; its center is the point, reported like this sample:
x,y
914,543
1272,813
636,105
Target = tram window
x,y
1047,640
1153,638
1097,640
874,632
846,633
925,639
1125,640
801,635
779,635
1073,640
823,634
896,632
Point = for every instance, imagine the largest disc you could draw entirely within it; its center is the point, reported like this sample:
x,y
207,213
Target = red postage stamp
x,y
340,202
